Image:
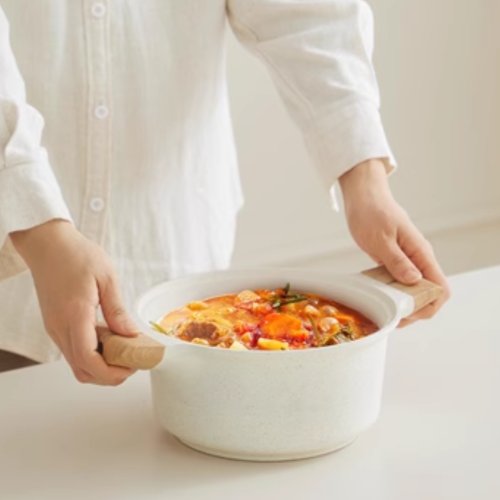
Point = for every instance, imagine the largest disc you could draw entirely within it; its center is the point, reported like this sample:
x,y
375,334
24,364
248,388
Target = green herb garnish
x,y
291,299
315,331
158,327
285,299
341,338
347,331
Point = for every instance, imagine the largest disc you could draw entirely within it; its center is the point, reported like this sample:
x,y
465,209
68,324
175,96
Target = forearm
x,y
29,193
320,56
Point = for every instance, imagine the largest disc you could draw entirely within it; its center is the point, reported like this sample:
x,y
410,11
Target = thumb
x,y
113,309
399,265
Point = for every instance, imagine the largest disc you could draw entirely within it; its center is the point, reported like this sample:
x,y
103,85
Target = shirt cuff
x,y
340,142
29,196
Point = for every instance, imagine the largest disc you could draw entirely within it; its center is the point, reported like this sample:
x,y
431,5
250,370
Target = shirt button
x,y
98,9
97,204
101,112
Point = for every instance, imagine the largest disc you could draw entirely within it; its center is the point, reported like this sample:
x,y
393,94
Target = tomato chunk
x,y
244,327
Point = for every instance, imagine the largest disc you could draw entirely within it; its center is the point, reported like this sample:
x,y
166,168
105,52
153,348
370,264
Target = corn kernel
x,y
272,345
237,346
198,341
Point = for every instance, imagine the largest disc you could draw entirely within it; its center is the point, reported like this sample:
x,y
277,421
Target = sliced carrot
x,y
278,325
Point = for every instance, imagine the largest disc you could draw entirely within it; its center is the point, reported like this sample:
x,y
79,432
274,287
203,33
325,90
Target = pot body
x,y
270,406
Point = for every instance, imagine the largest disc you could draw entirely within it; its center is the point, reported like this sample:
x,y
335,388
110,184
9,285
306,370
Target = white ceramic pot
x,y
269,405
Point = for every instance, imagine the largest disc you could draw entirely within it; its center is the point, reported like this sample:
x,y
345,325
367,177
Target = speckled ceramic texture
x,y
271,406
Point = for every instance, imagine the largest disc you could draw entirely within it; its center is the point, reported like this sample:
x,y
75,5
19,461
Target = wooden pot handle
x,y
424,292
139,353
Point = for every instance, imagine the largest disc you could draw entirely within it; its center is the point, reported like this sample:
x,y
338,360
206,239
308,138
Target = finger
x,y
422,255
406,322
85,357
82,376
426,312
113,309
398,264
85,378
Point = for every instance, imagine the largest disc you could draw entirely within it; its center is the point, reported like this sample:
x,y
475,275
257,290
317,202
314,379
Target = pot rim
x,y
369,288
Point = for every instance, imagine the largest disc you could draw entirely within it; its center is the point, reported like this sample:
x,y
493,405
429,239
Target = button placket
x,y
98,165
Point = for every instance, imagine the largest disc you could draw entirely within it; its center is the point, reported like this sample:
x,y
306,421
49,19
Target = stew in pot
x,y
266,320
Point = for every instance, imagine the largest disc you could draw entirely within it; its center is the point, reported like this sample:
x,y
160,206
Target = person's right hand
x,y
73,276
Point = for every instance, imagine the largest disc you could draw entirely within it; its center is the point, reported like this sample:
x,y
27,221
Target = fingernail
x,y
411,275
129,326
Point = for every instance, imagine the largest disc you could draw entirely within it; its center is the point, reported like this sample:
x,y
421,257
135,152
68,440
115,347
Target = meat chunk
x,y
195,330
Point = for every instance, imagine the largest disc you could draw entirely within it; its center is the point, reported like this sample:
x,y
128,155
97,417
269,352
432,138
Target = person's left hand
x,y
384,231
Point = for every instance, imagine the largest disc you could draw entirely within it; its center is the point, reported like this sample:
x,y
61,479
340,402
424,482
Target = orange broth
x,y
266,320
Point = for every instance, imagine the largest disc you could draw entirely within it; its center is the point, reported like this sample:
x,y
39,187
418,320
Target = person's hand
x,y
384,231
73,276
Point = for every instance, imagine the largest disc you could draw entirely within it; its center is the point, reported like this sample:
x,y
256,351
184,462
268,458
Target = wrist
x,y
365,181
37,240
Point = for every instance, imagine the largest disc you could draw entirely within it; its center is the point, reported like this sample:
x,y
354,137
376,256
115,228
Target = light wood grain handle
x,y
139,353
424,292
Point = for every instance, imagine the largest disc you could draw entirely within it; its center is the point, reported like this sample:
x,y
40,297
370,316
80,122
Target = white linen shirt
x,y
138,132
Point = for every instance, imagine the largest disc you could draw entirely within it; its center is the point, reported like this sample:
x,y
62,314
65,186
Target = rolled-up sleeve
x,y
319,53
29,192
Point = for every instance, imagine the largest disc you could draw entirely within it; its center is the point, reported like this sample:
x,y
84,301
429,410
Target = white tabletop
x,y
438,436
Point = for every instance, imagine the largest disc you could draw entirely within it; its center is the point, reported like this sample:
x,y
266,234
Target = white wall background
x,y
438,63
